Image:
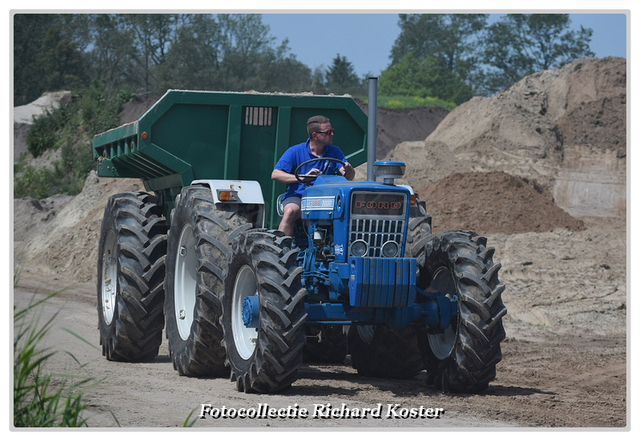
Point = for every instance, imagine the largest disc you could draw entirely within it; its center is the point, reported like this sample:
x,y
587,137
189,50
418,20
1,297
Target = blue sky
x,y
366,38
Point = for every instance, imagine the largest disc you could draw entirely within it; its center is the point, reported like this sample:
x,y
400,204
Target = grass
x,y
403,102
47,400
39,399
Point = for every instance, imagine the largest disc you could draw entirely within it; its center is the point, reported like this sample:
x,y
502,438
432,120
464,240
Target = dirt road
x,y
558,368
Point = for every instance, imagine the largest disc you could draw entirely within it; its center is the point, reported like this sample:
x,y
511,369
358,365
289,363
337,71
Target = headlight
x,y
390,249
359,248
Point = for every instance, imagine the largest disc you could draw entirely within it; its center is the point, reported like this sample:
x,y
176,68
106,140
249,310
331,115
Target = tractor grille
x,y
376,232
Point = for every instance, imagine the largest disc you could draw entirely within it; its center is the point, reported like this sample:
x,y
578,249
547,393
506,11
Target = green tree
x,y
112,53
64,63
153,36
47,55
283,72
193,60
521,44
231,52
341,76
451,39
423,77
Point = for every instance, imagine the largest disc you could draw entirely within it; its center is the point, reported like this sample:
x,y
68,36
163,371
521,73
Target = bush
x,y
69,128
405,102
41,135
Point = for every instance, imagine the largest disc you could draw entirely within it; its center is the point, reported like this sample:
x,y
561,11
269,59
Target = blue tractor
x,y
193,254
363,259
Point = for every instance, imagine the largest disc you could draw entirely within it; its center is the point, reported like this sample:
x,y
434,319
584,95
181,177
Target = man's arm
x,y
283,177
288,178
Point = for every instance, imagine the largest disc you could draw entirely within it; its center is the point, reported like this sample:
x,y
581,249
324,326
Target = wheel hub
x,y
250,311
442,344
245,309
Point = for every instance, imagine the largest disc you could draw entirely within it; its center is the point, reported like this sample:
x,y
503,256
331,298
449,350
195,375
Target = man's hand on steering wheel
x,y
314,172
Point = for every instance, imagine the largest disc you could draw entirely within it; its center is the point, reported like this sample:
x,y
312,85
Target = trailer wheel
x,y
263,312
131,267
377,351
464,357
197,247
325,344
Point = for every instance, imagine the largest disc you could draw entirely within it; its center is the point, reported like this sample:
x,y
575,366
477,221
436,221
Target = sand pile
x,y
494,202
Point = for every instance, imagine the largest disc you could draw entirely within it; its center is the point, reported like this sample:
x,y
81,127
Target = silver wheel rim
x,y
244,338
185,282
109,277
442,344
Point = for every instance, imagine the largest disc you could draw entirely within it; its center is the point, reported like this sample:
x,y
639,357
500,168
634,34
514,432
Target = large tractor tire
x,y
464,357
262,288
419,228
325,344
131,268
197,246
418,232
377,351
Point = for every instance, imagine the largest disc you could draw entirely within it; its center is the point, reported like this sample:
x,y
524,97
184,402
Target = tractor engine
x,y
355,239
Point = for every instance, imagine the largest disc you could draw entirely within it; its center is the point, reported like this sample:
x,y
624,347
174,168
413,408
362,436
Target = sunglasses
x,y
327,132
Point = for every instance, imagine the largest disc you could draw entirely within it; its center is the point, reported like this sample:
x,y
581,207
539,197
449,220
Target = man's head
x,y
317,124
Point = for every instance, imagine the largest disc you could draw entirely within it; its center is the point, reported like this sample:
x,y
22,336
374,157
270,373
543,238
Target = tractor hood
x,y
333,197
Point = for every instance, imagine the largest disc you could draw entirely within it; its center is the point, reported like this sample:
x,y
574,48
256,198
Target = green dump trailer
x,y
206,160
200,135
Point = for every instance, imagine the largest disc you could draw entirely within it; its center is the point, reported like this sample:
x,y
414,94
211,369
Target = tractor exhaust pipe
x,y
372,130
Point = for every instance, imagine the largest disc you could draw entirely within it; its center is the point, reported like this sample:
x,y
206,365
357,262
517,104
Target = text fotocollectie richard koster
x,y
321,411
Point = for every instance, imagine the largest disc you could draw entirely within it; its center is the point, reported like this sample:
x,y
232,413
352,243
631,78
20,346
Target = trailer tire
x,y
464,357
197,247
377,351
264,358
131,267
325,344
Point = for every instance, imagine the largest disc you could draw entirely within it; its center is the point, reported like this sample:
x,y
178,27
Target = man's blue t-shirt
x,y
299,153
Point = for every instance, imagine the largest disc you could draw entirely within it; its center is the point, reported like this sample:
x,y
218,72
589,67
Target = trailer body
x,y
191,136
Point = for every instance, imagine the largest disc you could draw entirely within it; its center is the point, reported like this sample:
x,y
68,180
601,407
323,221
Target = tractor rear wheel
x,y
197,247
463,358
131,268
263,312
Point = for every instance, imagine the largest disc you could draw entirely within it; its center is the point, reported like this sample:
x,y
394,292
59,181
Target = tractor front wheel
x,y
463,357
263,312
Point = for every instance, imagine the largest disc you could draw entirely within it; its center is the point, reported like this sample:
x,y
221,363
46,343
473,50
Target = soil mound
x,y
400,125
23,117
566,129
494,202
66,238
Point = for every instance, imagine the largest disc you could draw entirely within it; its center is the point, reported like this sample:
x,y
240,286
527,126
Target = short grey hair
x,y
313,123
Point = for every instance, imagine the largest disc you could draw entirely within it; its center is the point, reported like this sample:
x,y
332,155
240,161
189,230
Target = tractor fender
x,y
245,193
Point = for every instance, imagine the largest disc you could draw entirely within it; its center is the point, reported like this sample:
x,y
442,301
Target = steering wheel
x,y
322,172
